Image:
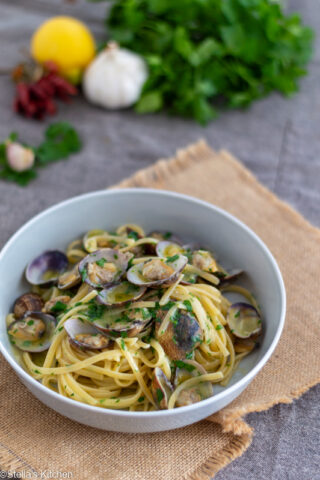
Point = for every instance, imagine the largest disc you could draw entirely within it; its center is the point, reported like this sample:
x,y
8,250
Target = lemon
x,y
65,41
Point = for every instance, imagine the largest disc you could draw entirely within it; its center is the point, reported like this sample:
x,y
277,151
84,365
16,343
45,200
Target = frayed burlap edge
x,y
231,422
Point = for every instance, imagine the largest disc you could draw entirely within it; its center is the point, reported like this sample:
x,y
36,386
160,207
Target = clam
x,y
166,249
203,260
160,236
120,294
161,388
243,320
46,269
157,271
57,305
189,395
181,336
245,345
104,267
85,336
228,277
69,279
27,302
33,332
131,322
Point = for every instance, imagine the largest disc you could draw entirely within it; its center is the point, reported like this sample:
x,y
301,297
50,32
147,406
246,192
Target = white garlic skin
x,y
19,158
115,78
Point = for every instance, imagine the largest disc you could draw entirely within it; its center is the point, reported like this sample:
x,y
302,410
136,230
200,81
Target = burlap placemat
x,y
34,438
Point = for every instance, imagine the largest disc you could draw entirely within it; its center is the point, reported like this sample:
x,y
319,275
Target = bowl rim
x,y
157,413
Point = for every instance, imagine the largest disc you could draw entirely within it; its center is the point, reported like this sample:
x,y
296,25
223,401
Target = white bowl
x,y
234,244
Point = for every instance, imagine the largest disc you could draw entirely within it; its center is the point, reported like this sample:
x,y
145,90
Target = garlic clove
x,y
19,158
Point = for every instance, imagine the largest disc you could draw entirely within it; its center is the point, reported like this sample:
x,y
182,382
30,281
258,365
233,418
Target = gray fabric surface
x,y
278,139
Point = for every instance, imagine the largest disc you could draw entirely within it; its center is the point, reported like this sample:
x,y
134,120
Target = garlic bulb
x,y
115,78
19,158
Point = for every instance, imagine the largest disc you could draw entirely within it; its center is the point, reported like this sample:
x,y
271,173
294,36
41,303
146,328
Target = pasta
x,y
129,321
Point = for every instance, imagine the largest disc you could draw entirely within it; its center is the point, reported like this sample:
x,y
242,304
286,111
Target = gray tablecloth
x,y
278,139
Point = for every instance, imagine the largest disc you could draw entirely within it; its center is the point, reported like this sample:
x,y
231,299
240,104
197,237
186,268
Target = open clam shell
x,y
189,395
228,277
166,249
243,320
33,332
181,335
85,336
104,267
69,279
161,388
164,271
120,294
45,269
131,322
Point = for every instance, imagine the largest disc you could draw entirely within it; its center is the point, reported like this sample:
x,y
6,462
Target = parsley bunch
x,y
61,140
230,51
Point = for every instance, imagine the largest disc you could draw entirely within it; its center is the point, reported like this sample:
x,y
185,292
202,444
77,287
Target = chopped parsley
x,y
123,345
37,371
188,305
172,259
83,274
95,311
175,317
159,394
140,399
167,235
31,322
101,262
133,235
130,263
167,306
59,307
236,315
219,327
186,366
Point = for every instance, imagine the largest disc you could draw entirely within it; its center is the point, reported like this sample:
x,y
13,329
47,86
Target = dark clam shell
x,y
181,337
45,269
27,302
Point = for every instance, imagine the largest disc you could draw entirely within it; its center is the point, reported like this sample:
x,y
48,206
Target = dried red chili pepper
x,y
37,88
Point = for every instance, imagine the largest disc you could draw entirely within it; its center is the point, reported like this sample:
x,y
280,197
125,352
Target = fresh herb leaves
x,y
231,51
172,259
60,141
